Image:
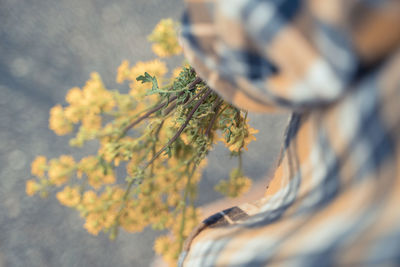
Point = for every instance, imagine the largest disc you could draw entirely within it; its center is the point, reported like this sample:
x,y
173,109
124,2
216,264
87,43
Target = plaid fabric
x,y
335,64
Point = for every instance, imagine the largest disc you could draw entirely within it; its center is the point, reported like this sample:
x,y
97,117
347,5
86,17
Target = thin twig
x,y
175,103
171,107
159,107
155,109
185,196
215,108
195,96
147,114
195,81
154,143
178,133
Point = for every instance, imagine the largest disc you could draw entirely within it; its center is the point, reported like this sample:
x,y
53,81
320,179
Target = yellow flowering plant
x,y
160,134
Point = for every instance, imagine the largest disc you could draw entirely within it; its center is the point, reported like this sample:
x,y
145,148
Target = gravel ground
x,y
47,47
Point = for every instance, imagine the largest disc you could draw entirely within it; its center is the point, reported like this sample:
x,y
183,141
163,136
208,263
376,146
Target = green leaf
x,y
147,78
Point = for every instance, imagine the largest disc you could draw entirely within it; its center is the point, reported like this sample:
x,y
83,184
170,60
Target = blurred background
x,y
47,47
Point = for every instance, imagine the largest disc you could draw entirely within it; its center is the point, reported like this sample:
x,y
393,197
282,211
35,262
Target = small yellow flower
x,y
243,184
165,38
131,220
88,163
118,193
89,199
235,186
175,73
186,138
249,137
98,174
69,196
94,84
67,161
109,218
154,67
32,187
73,113
91,122
162,244
74,96
173,199
240,139
123,72
109,179
93,224
38,166
58,122
61,169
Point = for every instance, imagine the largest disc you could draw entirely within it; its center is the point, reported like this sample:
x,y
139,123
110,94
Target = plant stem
x,y
147,114
190,86
159,107
215,108
185,196
195,96
154,144
178,133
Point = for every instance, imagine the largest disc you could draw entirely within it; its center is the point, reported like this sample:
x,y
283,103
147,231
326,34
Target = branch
x,y
178,133
195,96
173,139
147,114
215,107
160,106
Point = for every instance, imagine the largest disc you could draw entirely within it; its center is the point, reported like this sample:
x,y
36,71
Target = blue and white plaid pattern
x,y
335,195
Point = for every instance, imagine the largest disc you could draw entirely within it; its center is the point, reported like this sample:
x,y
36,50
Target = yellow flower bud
x,y
74,96
92,223
69,196
91,122
38,166
162,244
165,39
58,122
32,187
123,72
61,169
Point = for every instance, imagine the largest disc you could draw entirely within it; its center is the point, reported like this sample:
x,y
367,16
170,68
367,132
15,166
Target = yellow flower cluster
x,y
169,246
32,187
89,101
235,186
98,173
192,216
161,180
165,39
69,196
85,106
123,72
39,166
61,169
154,67
123,151
240,138
101,211
59,122
142,212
